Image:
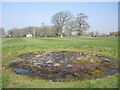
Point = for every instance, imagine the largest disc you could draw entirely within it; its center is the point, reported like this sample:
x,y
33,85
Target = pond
x,y
63,65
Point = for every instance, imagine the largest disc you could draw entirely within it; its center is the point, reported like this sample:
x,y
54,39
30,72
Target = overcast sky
x,y
103,16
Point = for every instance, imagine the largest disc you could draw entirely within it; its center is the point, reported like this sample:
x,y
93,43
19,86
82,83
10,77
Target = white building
x,y
29,35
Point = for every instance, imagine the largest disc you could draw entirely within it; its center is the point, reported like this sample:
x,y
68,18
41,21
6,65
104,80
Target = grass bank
x,y
105,46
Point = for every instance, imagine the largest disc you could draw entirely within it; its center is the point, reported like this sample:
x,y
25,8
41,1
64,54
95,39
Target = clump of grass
x,y
85,59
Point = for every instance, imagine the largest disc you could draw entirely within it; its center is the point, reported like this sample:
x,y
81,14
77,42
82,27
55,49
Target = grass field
x,y
104,46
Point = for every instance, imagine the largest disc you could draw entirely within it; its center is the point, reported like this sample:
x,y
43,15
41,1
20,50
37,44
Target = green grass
x,y
107,46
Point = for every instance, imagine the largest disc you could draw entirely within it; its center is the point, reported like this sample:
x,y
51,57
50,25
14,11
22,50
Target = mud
x,y
63,65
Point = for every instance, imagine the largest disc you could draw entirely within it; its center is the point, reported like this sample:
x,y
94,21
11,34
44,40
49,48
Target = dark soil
x,y
63,65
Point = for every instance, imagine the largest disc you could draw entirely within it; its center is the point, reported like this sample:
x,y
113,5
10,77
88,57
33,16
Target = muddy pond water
x,y
63,65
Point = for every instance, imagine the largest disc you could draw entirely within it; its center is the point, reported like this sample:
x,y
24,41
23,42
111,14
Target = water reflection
x,y
63,64
21,71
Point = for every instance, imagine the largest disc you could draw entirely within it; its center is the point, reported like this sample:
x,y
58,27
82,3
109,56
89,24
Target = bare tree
x,y
70,28
81,23
2,32
91,34
60,19
13,32
44,30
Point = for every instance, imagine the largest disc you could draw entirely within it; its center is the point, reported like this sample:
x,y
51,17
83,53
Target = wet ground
x,y
63,65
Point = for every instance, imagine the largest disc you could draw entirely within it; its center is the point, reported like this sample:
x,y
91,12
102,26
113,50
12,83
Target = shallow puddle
x,y
21,71
56,66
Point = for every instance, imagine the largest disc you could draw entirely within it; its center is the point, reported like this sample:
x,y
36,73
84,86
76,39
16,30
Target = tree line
x,y
63,23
